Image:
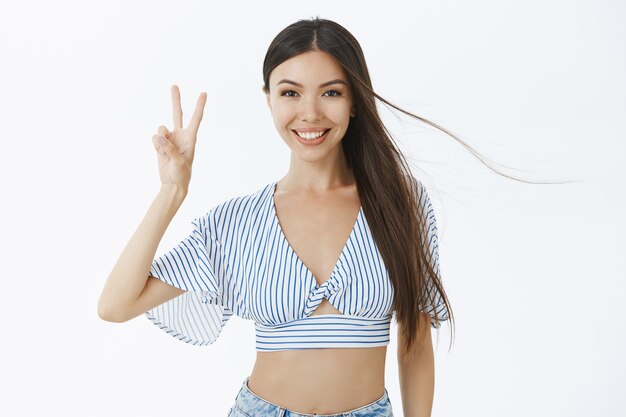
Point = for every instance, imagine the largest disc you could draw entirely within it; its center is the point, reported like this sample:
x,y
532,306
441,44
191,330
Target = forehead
x,y
312,67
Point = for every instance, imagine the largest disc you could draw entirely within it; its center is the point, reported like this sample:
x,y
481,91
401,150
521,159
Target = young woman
x,y
321,259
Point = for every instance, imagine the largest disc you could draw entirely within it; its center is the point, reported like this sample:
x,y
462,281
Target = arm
x,y
127,281
417,377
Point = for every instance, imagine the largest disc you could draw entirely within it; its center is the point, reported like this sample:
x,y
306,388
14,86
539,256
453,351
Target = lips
x,y
311,142
311,131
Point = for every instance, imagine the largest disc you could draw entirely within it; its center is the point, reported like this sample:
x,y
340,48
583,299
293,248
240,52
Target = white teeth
x,y
310,135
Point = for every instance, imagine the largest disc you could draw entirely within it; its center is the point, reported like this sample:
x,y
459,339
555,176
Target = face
x,y
310,93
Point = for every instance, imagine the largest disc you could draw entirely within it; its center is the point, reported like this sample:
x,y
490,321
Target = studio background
x,y
535,273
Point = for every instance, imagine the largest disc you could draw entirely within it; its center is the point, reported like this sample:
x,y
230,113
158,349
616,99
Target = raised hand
x,y
175,154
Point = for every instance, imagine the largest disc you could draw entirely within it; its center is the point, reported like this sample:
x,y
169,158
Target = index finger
x,y
176,108
194,123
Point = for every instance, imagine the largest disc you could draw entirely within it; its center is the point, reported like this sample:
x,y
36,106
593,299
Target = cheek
x,y
338,107
282,114
285,113
339,114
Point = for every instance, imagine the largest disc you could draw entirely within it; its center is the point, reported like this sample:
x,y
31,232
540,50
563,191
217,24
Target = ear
x,y
353,112
267,98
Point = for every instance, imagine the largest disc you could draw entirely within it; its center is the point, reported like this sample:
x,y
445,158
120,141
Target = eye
x,y
333,91
286,93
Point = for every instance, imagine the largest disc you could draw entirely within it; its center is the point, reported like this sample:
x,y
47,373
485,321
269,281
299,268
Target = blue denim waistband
x,y
252,405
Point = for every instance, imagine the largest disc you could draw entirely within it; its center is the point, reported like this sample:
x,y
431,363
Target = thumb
x,y
165,146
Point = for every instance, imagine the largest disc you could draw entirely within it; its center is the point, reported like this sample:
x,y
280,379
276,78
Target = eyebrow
x,y
337,81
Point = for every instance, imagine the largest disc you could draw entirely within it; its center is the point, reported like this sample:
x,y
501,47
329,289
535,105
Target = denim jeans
x,y
248,404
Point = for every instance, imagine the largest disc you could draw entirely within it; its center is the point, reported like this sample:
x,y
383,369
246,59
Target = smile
x,y
311,138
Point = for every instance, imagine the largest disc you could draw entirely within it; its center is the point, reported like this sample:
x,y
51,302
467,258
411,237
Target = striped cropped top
x,y
236,260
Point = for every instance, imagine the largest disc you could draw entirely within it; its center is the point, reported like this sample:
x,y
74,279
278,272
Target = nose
x,y
309,110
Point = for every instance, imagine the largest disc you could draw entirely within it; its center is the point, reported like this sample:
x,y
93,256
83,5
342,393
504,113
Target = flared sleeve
x,y
433,303
196,265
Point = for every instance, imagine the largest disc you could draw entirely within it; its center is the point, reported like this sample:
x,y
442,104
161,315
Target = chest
x,y
317,230
305,257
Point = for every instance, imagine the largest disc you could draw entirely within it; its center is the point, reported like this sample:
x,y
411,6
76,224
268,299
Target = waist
x,y
311,380
324,331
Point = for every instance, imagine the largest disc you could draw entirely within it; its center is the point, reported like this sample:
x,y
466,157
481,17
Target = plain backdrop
x,y
535,272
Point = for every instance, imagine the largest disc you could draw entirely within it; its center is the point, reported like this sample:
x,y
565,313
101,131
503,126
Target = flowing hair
x,y
395,204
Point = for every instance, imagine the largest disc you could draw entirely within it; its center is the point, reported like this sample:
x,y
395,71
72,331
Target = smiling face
x,y
310,93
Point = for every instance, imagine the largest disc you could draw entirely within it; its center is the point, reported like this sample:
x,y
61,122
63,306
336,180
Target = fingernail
x,y
161,140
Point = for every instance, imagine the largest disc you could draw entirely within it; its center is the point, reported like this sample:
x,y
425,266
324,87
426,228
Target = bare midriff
x,y
320,381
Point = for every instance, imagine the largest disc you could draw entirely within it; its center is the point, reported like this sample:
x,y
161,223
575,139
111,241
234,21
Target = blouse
x,y
237,260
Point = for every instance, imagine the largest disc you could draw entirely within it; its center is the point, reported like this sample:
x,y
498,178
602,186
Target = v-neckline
x,y
295,254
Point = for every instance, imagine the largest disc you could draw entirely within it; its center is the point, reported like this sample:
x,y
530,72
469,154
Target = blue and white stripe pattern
x,y
237,261
432,244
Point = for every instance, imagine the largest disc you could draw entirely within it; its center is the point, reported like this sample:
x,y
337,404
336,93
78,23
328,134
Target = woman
x,y
320,259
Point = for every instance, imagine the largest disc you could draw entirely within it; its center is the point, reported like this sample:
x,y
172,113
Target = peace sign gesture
x,y
175,153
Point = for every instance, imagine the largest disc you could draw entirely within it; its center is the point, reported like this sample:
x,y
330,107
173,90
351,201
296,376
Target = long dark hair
x,y
388,192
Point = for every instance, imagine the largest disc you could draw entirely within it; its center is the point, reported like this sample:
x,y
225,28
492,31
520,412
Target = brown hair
x,y
390,195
